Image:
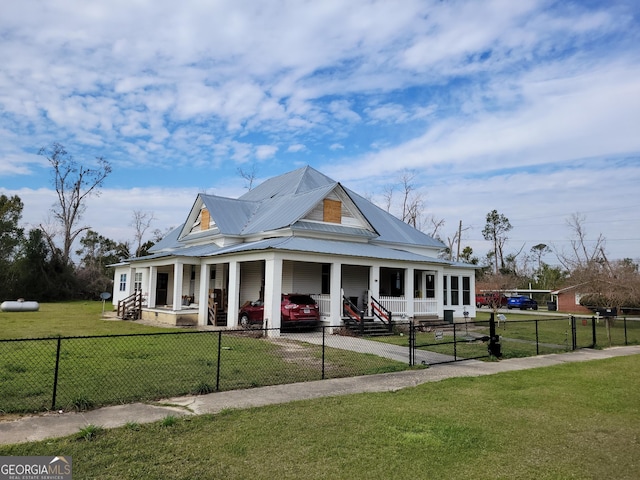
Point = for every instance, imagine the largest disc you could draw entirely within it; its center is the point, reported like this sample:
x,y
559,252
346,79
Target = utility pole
x,y
459,240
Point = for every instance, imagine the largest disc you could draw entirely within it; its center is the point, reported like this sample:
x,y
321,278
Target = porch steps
x,y
372,328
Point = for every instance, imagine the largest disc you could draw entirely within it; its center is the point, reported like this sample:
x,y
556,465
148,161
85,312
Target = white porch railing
x,y
324,303
425,306
397,305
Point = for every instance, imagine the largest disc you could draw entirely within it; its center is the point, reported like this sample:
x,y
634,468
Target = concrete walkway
x,y
50,425
363,345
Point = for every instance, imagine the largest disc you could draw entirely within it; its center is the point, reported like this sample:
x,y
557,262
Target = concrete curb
x,y
52,425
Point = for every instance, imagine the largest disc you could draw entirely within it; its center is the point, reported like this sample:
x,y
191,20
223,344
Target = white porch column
x,y
203,297
273,293
335,319
439,288
233,297
409,291
177,285
374,285
132,280
153,283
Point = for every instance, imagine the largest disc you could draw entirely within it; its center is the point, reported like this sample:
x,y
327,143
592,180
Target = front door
x,y
161,288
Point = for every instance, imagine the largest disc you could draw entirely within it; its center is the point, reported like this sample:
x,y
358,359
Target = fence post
x,y
625,330
361,322
218,363
593,331
455,344
324,329
494,340
537,339
574,334
412,344
55,376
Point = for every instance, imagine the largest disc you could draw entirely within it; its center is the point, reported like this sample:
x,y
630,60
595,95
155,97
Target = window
x,y
431,286
445,283
326,278
123,282
137,282
466,290
455,291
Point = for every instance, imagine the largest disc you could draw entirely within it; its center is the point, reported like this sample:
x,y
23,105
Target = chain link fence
x,y
80,373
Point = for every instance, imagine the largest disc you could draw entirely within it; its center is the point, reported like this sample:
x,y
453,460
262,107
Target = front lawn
x,y
575,420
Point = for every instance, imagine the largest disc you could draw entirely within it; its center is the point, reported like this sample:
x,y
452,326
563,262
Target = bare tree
x,y
141,221
249,176
74,183
583,252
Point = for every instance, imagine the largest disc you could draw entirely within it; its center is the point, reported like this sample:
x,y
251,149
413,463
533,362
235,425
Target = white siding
x,y
251,274
307,277
355,282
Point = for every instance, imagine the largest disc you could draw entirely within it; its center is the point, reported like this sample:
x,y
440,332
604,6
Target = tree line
x,y
40,263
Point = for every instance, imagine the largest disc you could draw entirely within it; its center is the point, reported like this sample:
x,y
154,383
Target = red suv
x,y
296,310
492,300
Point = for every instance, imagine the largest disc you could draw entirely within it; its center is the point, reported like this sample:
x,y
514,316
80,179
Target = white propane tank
x,y
19,306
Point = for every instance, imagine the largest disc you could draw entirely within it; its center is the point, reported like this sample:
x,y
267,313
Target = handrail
x,y
131,306
381,313
352,312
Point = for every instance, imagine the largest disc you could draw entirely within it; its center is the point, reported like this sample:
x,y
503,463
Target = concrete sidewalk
x,y
50,425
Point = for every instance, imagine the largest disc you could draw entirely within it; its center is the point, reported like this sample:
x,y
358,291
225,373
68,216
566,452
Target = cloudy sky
x,y
529,107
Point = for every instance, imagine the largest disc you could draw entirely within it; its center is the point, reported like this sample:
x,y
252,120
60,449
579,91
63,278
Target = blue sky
x,y
529,107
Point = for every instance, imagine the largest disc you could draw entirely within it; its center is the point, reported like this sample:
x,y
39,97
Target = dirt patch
x,y
295,352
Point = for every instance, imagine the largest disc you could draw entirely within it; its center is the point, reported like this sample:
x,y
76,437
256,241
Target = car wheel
x,y
535,307
244,320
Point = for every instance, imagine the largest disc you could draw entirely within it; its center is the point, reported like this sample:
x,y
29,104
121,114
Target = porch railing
x,y
381,313
131,307
397,305
324,303
425,306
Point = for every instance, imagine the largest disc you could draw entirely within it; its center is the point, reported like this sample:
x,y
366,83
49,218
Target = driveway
x,y
362,345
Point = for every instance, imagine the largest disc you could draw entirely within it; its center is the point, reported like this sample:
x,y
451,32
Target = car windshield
x,y
301,299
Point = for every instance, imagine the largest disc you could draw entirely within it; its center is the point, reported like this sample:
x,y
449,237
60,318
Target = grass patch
x,y
137,364
66,319
577,420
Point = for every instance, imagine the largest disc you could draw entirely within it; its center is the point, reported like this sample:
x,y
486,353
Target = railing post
x,y
574,333
537,337
362,322
55,376
625,330
593,331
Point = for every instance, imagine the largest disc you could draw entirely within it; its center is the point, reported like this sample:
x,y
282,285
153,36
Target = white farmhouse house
x,y
300,232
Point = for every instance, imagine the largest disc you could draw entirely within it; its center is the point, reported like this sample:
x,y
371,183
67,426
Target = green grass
x,y
67,319
577,420
96,371
518,336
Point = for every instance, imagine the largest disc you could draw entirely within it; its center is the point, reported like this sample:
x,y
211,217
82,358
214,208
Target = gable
x,y
338,208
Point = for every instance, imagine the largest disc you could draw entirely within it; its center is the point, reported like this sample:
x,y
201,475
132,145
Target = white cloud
x,y
502,91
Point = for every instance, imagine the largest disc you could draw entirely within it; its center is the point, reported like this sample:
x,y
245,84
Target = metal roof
x,y
329,247
282,202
